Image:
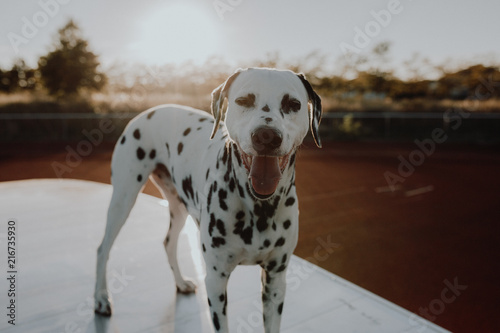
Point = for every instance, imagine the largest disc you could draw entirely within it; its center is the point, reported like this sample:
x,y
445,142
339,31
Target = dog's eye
x,y
294,105
246,101
290,104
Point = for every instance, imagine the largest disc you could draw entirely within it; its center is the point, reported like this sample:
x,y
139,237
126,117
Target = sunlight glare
x,y
175,33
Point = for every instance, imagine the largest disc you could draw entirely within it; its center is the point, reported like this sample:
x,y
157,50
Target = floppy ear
x,y
218,96
315,111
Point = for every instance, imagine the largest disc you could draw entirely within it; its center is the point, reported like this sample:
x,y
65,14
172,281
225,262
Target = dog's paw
x,y
103,306
186,287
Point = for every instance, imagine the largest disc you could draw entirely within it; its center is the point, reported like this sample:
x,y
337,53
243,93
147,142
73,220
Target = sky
x,y
155,32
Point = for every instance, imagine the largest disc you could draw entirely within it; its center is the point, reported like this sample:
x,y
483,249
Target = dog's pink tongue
x,y
265,174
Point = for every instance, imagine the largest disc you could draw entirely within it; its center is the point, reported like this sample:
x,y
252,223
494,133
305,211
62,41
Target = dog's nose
x,y
266,140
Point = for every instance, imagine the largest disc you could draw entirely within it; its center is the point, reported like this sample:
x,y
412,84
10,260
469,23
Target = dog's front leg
x,y
273,296
216,284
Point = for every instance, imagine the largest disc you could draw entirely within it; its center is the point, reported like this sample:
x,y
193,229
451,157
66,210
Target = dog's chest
x,y
251,231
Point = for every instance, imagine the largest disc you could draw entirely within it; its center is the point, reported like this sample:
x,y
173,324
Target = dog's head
x,y
268,116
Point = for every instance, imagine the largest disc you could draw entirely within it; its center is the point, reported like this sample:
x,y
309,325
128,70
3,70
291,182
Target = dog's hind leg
x,y
126,187
178,215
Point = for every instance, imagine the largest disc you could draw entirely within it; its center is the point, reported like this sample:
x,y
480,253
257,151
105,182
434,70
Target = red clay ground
x,y
411,246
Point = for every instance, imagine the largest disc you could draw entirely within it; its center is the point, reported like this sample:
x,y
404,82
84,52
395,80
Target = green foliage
x,y
70,68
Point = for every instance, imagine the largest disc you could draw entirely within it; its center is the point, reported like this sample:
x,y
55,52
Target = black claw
x,y
106,313
185,292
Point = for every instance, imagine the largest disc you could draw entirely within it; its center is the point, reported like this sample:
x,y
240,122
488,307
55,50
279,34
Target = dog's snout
x,y
266,140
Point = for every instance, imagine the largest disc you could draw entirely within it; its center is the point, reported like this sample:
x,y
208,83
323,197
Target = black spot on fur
x,y
241,191
222,198
240,215
237,154
292,161
187,131
281,268
265,210
247,101
168,149
140,153
151,114
225,306
222,297
280,242
292,184
152,154
290,201
221,227
283,260
187,187
203,247
289,104
280,309
139,178
226,159
218,241
216,321
123,140
209,303
179,148
137,134
267,243
209,198
202,120
272,264
211,225
287,224
239,228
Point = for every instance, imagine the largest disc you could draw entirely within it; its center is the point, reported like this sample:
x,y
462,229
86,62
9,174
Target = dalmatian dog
x,y
239,186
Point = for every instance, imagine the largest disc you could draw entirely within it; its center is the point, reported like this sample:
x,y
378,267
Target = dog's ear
x,y
315,111
218,96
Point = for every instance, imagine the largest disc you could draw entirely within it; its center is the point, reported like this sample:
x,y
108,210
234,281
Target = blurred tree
x,y
19,77
71,68
4,81
23,77
465,82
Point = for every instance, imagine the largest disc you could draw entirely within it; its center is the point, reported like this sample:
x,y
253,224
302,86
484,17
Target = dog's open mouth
x,y
265,172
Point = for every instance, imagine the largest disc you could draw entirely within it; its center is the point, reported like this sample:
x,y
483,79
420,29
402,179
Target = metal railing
x,y
53,127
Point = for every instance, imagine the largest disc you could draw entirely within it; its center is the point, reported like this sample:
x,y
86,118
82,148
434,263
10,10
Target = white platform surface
x,y
59,225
